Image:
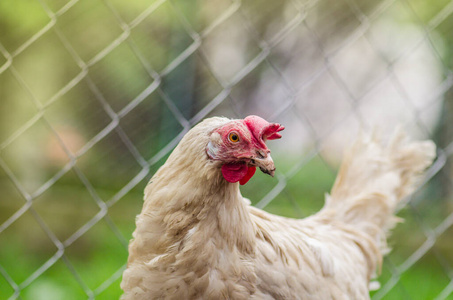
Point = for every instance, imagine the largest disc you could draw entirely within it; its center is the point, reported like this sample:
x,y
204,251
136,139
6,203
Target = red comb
x,y
262,129
271,131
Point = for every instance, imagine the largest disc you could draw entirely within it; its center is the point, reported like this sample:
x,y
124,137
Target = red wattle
x,y
246,178
234,172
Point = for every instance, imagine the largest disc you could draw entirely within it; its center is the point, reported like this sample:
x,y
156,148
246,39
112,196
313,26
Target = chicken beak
x,y
266,164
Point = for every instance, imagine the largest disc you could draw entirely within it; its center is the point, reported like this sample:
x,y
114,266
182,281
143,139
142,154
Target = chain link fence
x,y
95,95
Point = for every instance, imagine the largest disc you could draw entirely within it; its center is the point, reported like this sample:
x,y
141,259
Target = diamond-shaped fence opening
x,y
94,95
103,158
56,207
143,124
79,116
56,72
161,38
131,82
31,156
332,23
89,27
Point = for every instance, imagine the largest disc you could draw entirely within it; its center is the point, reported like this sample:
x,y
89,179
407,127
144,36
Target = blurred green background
x,y
95,94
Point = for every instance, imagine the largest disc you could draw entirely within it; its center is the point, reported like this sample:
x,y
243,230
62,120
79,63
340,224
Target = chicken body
x,y
197,238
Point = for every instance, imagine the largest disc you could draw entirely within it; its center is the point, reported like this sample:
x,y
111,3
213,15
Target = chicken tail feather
x,y
373,179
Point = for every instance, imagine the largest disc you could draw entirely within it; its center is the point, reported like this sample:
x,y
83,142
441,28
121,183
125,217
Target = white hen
x,y
197,238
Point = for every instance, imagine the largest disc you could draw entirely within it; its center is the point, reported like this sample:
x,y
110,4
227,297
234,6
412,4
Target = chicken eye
x,y
233,137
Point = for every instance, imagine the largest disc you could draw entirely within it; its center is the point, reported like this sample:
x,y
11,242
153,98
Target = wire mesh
x,y
125,82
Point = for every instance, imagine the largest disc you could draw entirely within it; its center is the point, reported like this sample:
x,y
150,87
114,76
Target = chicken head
x,y
240,146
